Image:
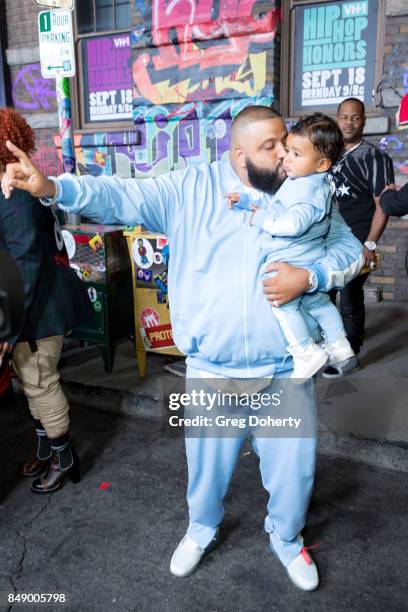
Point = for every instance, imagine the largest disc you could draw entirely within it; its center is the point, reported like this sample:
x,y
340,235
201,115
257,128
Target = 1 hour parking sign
x,y
56,44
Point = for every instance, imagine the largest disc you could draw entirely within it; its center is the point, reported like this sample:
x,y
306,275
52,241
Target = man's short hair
x,y
352,100
251,114
324,134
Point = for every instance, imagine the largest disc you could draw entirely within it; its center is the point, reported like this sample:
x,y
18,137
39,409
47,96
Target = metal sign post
x,y
65,123
66,129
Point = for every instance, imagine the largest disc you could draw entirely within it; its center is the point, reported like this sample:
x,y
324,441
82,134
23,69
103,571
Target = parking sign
x,y
56,44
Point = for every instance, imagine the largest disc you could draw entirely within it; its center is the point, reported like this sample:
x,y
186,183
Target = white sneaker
x,y
307,360
187,556
303,572
339,350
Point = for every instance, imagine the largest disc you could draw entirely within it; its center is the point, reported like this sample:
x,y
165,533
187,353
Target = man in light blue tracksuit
x,y
219,313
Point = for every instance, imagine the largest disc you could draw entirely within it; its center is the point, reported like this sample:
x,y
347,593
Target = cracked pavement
x,y
110,549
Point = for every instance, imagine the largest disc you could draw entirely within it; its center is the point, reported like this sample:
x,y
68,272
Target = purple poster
x,y
107,72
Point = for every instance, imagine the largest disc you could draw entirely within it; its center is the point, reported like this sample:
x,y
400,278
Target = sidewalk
x,y
363,416
108,548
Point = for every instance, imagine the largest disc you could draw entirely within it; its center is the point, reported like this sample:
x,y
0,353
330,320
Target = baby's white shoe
x,y
307,360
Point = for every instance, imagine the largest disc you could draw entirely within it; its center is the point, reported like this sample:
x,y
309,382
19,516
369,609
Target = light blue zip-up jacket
x,y
297,221
220,316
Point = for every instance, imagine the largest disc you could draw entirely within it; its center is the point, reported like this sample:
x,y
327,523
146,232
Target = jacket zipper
x,y
244,291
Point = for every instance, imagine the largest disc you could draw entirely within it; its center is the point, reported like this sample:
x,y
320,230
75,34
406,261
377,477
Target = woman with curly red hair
x,y
55,302
14,127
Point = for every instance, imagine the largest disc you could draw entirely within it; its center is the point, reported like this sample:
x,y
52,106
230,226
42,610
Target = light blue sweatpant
x,y
287,468
319,306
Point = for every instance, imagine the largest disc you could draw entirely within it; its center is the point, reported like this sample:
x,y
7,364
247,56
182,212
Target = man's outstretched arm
x,y
155,203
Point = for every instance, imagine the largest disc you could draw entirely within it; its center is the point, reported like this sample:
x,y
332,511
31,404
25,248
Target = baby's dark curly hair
x,y
324,133
14,127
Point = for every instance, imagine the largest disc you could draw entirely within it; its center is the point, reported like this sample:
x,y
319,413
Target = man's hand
x,y
288,284
5,347
24,175
369,258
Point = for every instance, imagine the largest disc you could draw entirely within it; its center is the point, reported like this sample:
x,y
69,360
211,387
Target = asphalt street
x,y
106,542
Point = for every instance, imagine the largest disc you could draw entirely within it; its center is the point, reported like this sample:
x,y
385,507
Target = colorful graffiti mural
x,y
202,50
31,91
163,140
196,64
47,159
396,147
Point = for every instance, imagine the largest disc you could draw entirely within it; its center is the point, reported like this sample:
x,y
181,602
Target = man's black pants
x,y
352,310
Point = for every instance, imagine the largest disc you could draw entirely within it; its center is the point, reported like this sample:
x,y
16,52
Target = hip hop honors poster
x,y
107,78
334,52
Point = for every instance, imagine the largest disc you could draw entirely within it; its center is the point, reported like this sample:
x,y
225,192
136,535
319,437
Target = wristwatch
x,y
371,245
312,282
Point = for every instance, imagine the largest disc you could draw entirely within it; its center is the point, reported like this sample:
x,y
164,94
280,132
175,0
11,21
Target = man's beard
x,y
268,181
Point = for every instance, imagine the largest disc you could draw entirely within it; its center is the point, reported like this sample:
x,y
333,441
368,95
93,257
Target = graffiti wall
x,y
31,92
195,65
46,155
163,139
200,50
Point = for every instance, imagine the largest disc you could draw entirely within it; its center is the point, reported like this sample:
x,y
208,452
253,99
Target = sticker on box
x,y
149,317
144,275
161,242
92,294
160,337
96,243
145,339
158,258
142,252
161,281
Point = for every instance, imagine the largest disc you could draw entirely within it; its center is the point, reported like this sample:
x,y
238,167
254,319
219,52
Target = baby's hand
x,y
254,210
239,200
232,199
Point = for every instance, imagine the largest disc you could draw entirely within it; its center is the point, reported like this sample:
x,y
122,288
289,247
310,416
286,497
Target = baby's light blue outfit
x,y
295,226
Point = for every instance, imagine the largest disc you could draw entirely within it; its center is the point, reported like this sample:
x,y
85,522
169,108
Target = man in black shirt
x,y
358,180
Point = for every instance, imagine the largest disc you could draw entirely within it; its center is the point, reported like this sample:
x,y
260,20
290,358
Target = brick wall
x,y
392,278
22,23
32,96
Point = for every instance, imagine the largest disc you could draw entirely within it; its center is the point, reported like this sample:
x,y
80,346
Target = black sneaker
x,y
342,368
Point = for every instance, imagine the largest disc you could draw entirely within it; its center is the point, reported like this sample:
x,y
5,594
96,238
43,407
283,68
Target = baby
x,y
295,224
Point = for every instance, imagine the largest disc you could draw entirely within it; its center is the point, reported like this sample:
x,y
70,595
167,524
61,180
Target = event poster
x,y
107,78
335,47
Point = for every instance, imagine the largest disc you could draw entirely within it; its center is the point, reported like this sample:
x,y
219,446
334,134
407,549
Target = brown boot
x,y
38,464
55,477
33,467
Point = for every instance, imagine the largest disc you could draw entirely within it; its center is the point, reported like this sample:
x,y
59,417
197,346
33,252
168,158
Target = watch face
x,y
371,246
